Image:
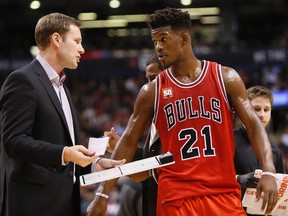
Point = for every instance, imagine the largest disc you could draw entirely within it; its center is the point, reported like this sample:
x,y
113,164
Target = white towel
x,y
281,208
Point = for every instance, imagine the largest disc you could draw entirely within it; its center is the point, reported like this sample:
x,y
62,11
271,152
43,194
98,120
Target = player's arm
x,y
139,121
127,145
257,135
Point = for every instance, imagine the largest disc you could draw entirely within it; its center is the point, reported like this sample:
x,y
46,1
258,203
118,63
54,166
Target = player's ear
x,y
185,38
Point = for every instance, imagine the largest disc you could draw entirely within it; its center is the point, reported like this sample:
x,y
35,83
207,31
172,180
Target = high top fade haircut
x,y
51,23
260,91
175,18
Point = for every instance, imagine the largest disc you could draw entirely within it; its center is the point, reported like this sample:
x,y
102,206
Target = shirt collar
x,y
52,74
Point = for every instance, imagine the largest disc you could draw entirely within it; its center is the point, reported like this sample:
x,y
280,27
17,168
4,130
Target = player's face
x,y
152,70
167,44
262,106
70,48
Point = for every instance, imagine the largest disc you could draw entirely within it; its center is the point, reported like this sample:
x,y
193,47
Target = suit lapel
x,y
74,115
44,79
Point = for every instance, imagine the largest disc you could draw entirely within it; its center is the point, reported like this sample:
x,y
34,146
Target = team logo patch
x,y
167,93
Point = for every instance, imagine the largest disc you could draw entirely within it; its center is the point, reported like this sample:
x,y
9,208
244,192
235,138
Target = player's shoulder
x,y
225,70
146,94
228,69
149,86
230,76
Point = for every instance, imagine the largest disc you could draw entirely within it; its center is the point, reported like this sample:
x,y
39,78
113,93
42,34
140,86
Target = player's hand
x,y
113,139
247,180
267,187
97,207
105,163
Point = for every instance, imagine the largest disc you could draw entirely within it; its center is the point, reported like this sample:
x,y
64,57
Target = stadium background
x,y
249,35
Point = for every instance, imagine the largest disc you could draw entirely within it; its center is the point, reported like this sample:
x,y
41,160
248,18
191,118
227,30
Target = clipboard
x,y
128,169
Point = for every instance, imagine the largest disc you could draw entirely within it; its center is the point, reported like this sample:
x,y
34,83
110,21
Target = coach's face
x,y
70,48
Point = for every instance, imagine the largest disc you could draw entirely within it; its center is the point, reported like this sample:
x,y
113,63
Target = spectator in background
x,y
245,159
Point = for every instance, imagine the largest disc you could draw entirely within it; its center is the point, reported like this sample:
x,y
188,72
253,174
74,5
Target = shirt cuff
x,y
64,163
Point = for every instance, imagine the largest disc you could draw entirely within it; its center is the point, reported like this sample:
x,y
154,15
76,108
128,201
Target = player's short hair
x,y
260,91
175,18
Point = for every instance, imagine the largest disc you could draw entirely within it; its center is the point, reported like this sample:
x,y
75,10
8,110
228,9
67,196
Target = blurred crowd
x,y
106,102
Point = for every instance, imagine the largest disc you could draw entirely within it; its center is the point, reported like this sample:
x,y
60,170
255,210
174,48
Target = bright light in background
x,y
35,5
104,23
34,51
210,20
114,3
205,11
186,2
87,16
117,21
130,18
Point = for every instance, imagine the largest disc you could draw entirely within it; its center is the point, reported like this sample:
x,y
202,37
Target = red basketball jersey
x,y
195,123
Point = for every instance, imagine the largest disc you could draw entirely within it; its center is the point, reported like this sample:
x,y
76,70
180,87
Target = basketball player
x,y
190,105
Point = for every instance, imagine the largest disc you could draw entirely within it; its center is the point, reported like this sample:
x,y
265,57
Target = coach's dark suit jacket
x,y
34,133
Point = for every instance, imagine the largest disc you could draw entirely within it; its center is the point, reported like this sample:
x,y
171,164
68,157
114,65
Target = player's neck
x,y
187,73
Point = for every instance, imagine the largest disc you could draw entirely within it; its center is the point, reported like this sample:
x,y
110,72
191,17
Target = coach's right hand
x,y
78,154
